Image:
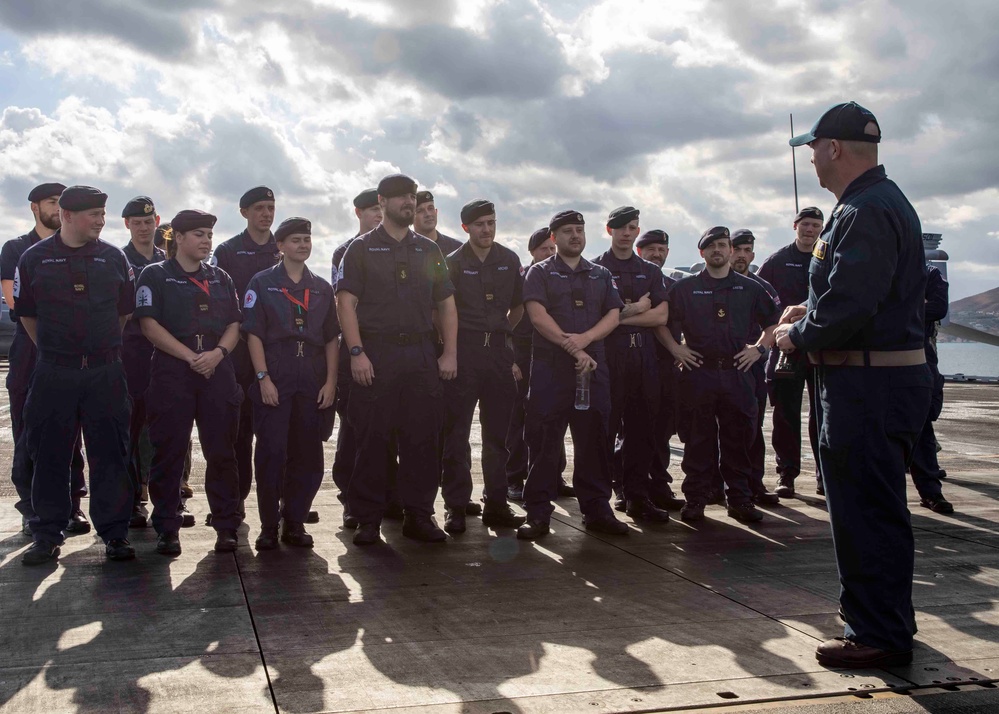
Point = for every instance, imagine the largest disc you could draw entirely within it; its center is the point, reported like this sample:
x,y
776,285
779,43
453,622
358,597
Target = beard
x,y
400,218
50,220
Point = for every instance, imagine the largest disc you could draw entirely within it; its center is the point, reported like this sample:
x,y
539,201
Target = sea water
x,y
972,359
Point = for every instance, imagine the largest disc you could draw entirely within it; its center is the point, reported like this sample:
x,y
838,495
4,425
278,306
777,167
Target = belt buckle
x,y
83,363
485,343
403,338
199,343
301,348
632,342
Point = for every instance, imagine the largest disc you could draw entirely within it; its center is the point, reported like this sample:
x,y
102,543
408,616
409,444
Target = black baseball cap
x,y
845,121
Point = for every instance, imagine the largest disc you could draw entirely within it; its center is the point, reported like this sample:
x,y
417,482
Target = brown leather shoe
x,y
847,654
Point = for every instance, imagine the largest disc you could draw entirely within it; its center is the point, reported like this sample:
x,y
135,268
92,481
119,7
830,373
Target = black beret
x,y
160,238
565,218
255,195
45,190
474,210
809,212
139,206
366,198
290,226
82,198
396,185
424,197
743,236
538,237
653,237
711,235
190,219
620,217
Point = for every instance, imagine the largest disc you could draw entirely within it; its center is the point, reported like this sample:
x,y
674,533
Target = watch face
x,y
261,375
354,351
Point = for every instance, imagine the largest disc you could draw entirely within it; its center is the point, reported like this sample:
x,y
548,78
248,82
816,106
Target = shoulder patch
x,y
143,297
819,251
250,299
214,262
17,282
131,274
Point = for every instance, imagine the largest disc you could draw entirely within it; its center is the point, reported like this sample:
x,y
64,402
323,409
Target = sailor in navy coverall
x,y
243,256
863,328
633,364
44,201
189,311
289,317
390,281
73,293
573,306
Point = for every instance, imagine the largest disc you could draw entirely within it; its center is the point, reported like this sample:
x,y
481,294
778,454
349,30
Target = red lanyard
x,y
303,305
202,285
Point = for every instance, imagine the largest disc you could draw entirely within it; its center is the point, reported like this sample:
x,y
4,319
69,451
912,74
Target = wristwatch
x,y
762,349
225,352
355,351
261,375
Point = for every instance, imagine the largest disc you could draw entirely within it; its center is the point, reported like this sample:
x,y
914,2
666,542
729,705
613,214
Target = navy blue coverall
x,y
196,308
77,296
398,285
867,285
294,321
576,300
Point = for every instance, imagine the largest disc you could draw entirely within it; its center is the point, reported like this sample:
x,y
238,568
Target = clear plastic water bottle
x,y
583,390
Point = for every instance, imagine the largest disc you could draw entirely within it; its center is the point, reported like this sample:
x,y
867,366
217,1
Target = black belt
x,y
200,343
97,359
629,340
298,348
398,338
718,363
475,338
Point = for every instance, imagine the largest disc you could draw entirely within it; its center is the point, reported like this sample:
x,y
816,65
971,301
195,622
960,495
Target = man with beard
x,y
718,311
787,271
573,306
653,246
425,223
390,282
743,242
78,381
863,330
634,368
243,256
44,203
488,295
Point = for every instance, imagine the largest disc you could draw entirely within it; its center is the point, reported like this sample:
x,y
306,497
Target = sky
x,y
679,108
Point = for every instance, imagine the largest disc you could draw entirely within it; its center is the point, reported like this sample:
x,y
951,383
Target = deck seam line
x,y
256,636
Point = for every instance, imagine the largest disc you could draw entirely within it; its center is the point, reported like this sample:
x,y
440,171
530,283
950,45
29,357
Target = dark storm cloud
x,y
645,105
159,29
514,57
462,125
776,35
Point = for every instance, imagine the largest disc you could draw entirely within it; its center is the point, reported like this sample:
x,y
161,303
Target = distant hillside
x,y
979,311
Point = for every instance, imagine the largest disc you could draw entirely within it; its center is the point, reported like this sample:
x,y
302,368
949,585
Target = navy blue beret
x,y
190,219
139,206
474,210
743,236
82,198
620,217
396,185
653,237
255,195
565,218
366,198
711,235
290,226
45,190
809,212
424,197
538,238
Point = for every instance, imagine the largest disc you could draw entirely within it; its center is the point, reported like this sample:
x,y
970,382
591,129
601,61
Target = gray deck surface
x,y
714,615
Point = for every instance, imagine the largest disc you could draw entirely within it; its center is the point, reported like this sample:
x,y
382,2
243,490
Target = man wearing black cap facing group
x,y
73,293
44,202
425,223
390,282
787,271
141,221
573,306
743,253
634,368
488,290
863,331
243,256
719,312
